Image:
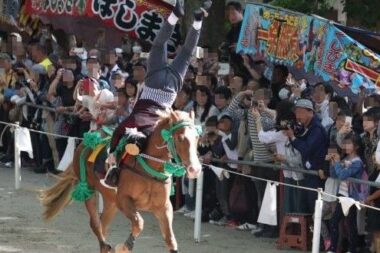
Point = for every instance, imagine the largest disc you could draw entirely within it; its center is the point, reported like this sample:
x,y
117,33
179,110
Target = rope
x,y
40,132
294,186
281,167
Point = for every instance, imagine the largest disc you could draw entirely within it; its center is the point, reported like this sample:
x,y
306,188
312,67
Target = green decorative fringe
x,y
92,139
173,169
82,192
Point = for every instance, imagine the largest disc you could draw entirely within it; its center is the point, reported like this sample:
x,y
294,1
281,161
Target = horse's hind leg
x,y
109,212
96,225
165,218
128,208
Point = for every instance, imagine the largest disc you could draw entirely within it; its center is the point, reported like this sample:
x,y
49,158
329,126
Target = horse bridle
x,y
167,136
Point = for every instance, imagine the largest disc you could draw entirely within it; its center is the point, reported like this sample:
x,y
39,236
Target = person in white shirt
x,y
285,154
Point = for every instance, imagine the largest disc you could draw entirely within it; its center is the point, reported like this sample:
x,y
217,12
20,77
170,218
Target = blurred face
x,y
224,125
181,99
303,116
262,95
234,16
236,85
253,85
201,98
131,90
139,73
121,99
319,95
67,77
368,124
69,64
220,101
5,64
348,147
93,68
340,121
111,59
118,81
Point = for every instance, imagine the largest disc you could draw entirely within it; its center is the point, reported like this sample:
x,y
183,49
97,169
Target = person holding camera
x,y
285,153
257,111
312,143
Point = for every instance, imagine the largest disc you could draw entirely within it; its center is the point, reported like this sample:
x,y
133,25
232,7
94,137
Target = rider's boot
x,y
136,142
202,12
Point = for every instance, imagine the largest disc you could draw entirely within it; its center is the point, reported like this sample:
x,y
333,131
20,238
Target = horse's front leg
x,y
127,207
165,218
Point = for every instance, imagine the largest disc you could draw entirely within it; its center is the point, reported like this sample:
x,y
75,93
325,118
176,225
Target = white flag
x,y
23,141
268,211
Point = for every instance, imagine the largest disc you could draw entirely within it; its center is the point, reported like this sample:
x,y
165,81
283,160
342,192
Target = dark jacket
x,y
312,146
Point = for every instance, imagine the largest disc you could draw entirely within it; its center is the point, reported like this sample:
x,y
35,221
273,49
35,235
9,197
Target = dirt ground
x,y
22,229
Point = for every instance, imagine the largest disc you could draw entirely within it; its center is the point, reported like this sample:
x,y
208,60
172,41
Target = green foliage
x,y
319,7
366,12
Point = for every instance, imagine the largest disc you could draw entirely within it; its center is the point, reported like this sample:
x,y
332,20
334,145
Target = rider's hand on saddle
x,y
111,160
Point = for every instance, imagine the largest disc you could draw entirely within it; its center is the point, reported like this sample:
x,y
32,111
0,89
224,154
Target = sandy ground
x,y
22,229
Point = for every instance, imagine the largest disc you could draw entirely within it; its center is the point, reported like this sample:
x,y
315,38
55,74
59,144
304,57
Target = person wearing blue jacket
x,y
312,144
342,169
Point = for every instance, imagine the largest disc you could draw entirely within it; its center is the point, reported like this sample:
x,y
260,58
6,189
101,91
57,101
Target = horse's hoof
x,y
106,248
121,248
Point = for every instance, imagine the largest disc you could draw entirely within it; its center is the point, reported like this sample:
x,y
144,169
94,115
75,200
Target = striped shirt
x,y
261,152
166,99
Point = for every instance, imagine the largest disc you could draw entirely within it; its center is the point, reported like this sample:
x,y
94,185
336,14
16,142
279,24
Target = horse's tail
x,y
58,196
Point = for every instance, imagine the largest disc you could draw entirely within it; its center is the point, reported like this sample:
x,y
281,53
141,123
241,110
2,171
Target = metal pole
x,y
198,209
317,222
17,162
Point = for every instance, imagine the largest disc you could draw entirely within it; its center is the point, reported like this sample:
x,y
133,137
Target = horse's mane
x,y
169,116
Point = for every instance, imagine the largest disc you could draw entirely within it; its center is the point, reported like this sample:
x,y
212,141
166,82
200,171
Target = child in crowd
x,y
350,166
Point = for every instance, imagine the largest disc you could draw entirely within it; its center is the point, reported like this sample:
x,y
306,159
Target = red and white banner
x,y
141,19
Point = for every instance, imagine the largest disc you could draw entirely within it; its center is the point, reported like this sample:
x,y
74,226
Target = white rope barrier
x,y
317,211
40,132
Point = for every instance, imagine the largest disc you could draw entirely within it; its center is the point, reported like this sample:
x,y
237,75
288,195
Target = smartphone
x,y
2,71
348,120
199,53
224,69
144,55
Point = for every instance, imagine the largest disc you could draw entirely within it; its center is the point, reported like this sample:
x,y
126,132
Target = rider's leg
x,y
182,60
158,53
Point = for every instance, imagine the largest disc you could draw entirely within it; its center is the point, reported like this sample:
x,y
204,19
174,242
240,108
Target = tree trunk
x,y
213,31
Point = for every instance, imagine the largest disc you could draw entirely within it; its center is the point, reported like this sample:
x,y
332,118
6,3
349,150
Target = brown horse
x,y
137,189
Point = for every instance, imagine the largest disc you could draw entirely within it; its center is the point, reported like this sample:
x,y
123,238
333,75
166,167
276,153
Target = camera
x,y
286,124
297,127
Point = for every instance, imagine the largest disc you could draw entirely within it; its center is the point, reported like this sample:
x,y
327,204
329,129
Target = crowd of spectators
x,y
255,112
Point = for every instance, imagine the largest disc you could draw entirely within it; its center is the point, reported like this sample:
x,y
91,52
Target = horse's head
x,y
182,136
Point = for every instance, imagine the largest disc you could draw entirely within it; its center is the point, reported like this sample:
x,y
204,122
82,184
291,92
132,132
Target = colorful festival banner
x,y
141,19
310,44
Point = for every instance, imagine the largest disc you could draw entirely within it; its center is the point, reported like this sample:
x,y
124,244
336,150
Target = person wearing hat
x,y
162,82
312,145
